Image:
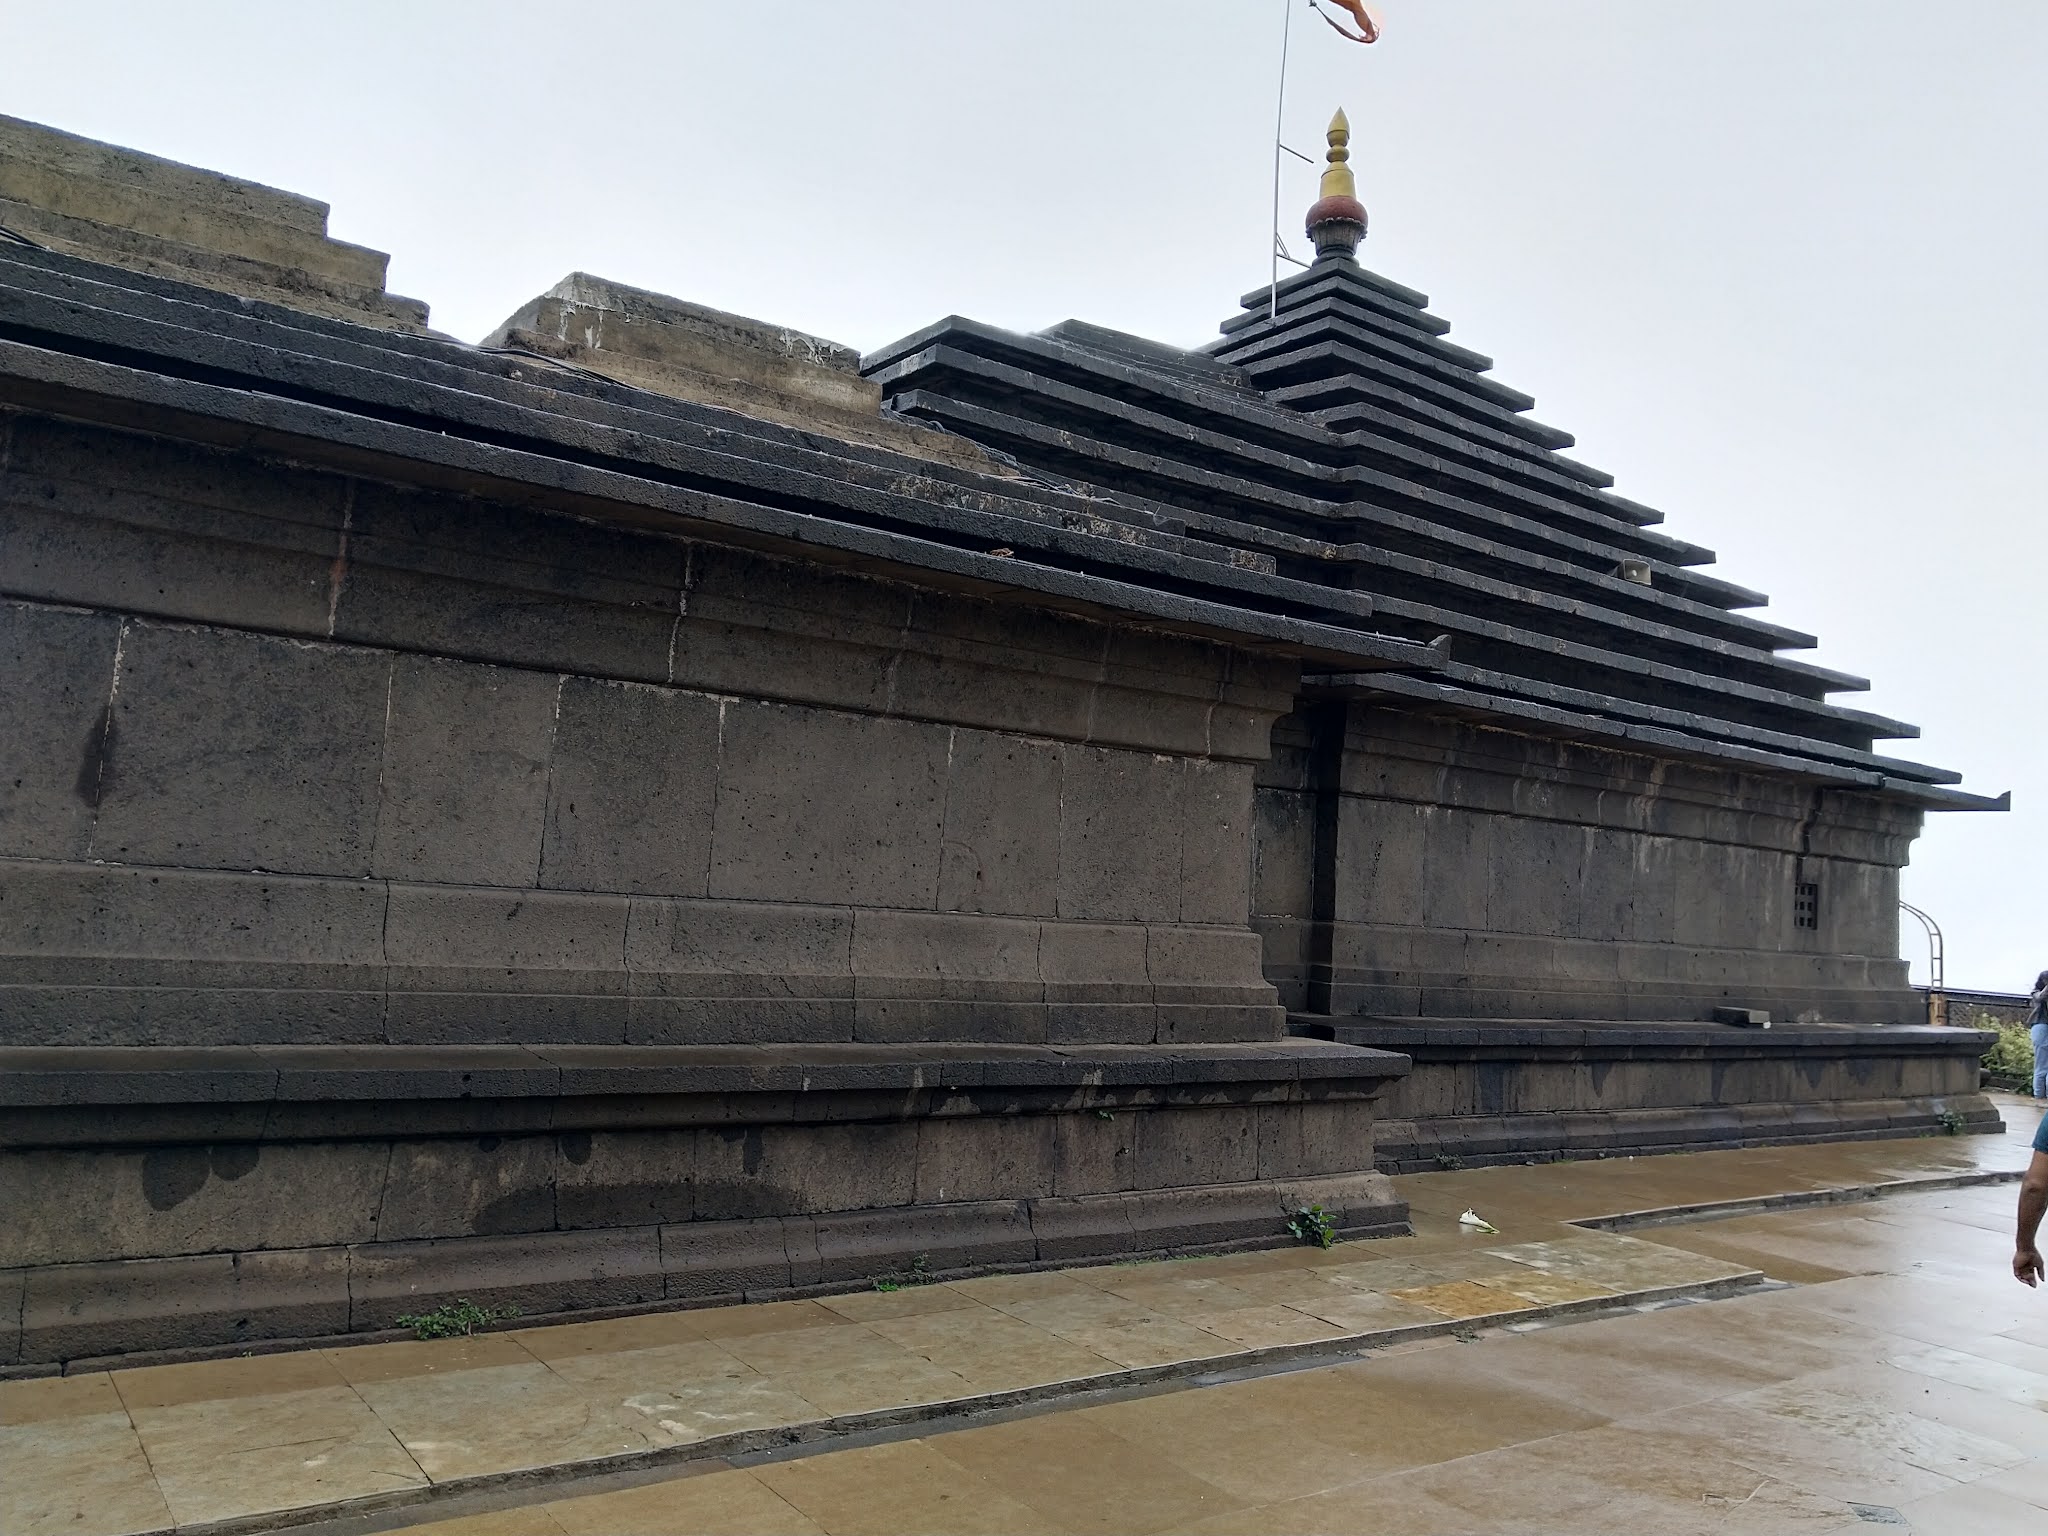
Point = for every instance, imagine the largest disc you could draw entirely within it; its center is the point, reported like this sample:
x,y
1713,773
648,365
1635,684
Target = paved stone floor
x,y
1439,1384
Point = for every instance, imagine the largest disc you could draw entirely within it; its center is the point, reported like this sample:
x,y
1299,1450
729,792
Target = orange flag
x,y
1368,27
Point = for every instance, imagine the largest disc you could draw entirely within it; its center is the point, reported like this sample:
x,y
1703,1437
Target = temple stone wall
x,y
1435,868
299,757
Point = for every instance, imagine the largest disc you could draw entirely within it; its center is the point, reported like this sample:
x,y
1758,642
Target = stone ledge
x,y
1517,1038
79,1076
130,1306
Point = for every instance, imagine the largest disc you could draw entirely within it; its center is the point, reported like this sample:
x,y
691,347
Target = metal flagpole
x,y
1279,119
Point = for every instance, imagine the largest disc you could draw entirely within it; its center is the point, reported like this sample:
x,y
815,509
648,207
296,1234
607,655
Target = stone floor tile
x,y
1146,1339
1260,1459
699,1410
763,1317
1977,1510
1084,1478
1378,1508
36,1398
622,1375
727,1502
908,1301
199,1381
226,1458
871,1386
2027,1388
1462,1299
2028,1483
905,1488
1546,1290
77,1475
501,1522
504,1418
994,1352
360,1364
795,1349
1263,1327
1039,1285
1364,1311
562,1341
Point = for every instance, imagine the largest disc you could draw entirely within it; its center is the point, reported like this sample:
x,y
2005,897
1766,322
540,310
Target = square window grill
x,y
1806,904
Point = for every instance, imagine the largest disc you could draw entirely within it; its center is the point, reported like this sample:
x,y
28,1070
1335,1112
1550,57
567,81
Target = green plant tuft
x,y
1313,1224
458,1319
1951,1121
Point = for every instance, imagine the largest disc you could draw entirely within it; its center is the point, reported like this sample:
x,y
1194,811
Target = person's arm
x,y
2026,1258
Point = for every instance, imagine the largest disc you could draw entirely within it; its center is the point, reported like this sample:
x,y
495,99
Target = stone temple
x,y
656,808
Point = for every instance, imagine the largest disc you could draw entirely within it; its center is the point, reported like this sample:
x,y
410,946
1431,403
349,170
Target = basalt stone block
x,y
816,806
453,576
241,751
537,1272
631,789
997,1157
862,1245
1084,1227
702,1259
144,525
1282,853
780,1170
13,1290
778,629
945,955
1000,845
90,1204
71,1311
995,666
1215,866
468,1186
465,773
1197,1146
613,1179
1116,863
56,675
1095,1152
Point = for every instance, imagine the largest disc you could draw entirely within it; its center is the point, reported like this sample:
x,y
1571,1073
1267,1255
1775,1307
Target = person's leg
x,y
2039,1034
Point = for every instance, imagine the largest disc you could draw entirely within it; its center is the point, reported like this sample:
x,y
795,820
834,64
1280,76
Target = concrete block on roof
x,y
231,750
127,209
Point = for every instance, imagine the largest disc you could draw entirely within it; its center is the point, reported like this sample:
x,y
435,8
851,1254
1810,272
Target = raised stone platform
x,y
170,1198
1490,1091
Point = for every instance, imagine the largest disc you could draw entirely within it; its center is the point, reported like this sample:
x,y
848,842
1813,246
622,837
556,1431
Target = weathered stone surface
x,y
56,677
998,852
241,751
464,785
631,788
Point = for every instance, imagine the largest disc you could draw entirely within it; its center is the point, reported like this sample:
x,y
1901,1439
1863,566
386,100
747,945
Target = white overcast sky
x,y
1780,267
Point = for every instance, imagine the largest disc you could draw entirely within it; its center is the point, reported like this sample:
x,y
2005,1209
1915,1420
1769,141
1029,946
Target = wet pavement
x,y
1901,1381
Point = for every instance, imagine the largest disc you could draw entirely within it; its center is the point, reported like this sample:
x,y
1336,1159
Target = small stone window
x,y
1806,904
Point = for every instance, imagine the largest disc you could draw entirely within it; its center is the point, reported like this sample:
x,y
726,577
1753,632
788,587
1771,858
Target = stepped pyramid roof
x,y
1335,433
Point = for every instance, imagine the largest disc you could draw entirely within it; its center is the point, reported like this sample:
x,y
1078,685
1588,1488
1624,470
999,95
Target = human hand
x,y
2026,1266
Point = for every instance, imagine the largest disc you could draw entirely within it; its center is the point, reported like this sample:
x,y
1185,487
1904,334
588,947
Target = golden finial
x,y
1337,221
1337,178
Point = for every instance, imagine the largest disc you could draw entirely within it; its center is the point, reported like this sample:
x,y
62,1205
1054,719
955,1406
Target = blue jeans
x,y
2039,1033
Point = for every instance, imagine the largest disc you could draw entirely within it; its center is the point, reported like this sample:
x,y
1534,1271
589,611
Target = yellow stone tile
x,y
762,1317
722,1503
362,1363
909,1301
1258,1327
1543,1290
77,1475
166,1386
38,1398
804,1349
226,1458
503,1522
1146,1340
1462,1298
699,1410
903,1487
867,1388
505,1419
1084,1477
654,1330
